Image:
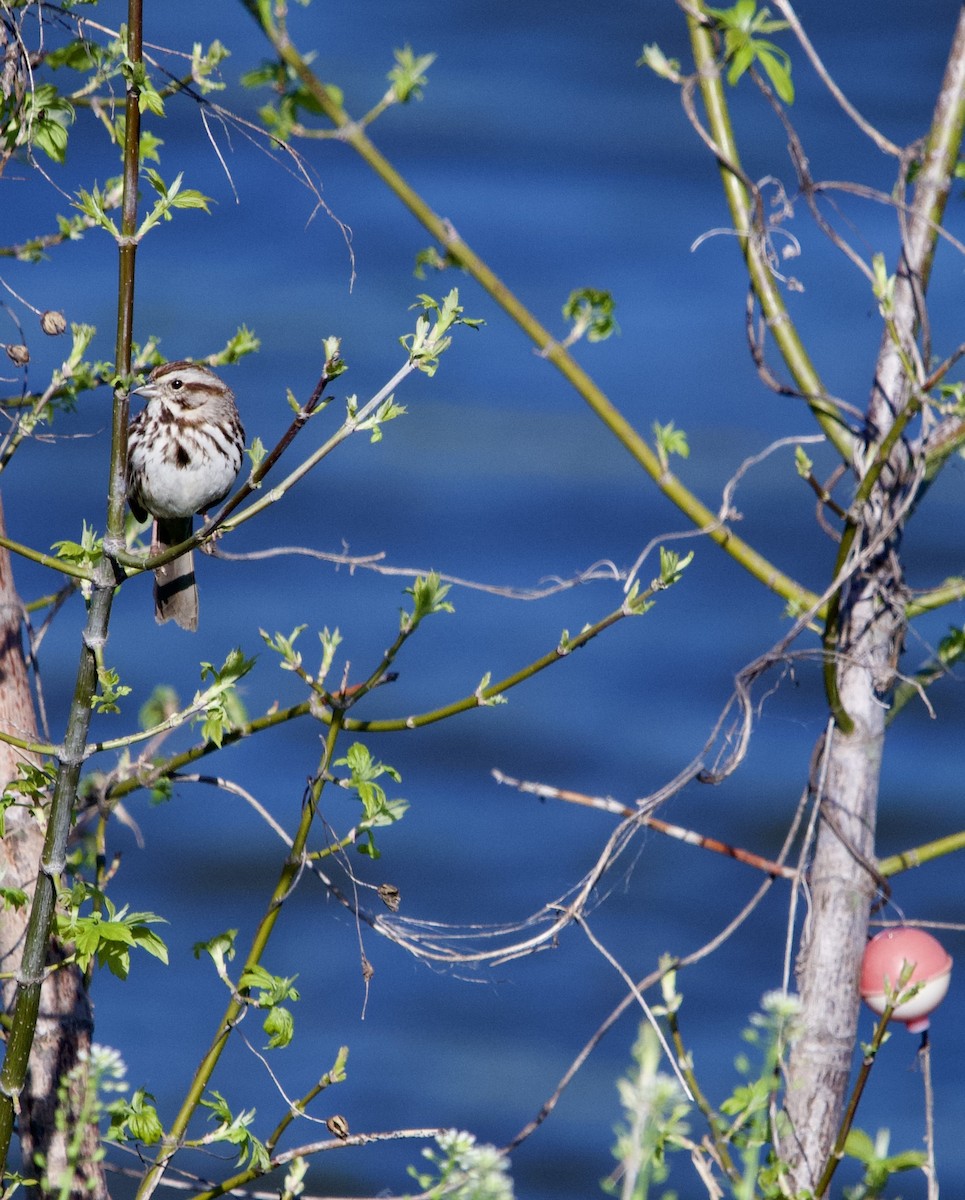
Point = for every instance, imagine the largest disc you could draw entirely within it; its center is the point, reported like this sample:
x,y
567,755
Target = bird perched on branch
x,y
184,454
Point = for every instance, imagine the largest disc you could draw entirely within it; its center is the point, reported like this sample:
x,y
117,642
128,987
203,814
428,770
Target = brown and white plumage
x,y
184,453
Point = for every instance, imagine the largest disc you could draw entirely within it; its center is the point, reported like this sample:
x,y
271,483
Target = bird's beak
x,y
147,390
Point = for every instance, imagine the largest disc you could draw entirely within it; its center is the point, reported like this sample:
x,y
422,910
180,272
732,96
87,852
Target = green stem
x,y
72,755
751,235
867,1062
287,879
187,757
346,430
201,702
460,252
714,1122
47,560
906,859
253,1172
950,592
484,696
480,698
42,749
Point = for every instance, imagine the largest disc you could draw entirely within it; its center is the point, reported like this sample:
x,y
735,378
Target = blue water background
x,y
564,166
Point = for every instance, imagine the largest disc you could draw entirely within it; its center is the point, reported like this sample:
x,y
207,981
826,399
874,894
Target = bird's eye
x,y
177,384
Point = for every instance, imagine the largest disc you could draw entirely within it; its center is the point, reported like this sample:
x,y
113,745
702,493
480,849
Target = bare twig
x,y
552,585
606,804
884,144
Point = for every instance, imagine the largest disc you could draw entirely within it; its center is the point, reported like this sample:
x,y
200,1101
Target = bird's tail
x,y
175,589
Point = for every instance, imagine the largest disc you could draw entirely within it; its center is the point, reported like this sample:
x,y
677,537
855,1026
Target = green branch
x,y
864,1073
458,251
149,775
53,859
894,864
950,592
297,1109
41,749
487,694
334,713
74,570
287,879
749,224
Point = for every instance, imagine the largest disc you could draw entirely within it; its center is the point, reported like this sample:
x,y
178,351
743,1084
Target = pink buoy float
x,y
881,967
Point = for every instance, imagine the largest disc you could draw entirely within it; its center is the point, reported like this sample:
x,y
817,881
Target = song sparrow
x,y
184,453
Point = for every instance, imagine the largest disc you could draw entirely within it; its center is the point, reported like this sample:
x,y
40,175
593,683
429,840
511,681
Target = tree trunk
x,y
65,1025
841,886
869,639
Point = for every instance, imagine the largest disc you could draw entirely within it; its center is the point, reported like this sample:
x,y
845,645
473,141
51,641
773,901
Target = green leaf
x,y
429,594
803,464
654,58
41,122
170,196
94,206
135,1119
149,98
386,411
221,949
264,76
742,26
86,553
378,810
363,766
270,989
670,440
431,259
285,647
336,1074
30,789
256,453
111,690
431,338
859,1145
205,63
150,145
672,566
13,898
482,687
878,1163
241,343
223,709
78,55
907,1160
51,137
280,1027
407,77
107,934
233,1129
777,65
591,312
331,640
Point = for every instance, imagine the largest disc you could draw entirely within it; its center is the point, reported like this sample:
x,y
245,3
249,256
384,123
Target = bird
x,y
185,450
